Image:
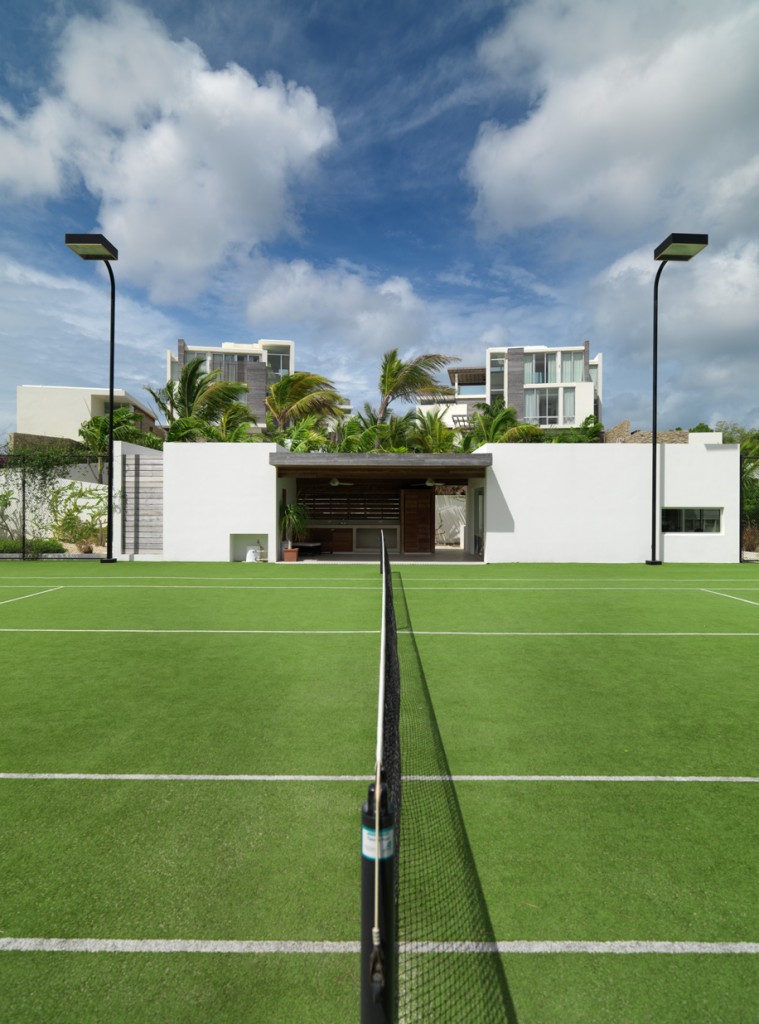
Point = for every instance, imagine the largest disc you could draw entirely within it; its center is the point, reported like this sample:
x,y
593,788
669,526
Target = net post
x,y
379,980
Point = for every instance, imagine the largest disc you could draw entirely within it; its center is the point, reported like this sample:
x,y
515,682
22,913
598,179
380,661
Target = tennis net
x,y
380,843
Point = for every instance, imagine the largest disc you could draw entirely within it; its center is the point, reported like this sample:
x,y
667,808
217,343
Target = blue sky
x,y
359,176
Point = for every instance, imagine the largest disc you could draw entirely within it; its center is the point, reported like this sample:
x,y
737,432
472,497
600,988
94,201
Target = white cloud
x,y
55,332
708,341
189,164
640,111
344,319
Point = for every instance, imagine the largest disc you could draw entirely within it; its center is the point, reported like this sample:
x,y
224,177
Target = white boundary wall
x,y
543,502
592,503
218,499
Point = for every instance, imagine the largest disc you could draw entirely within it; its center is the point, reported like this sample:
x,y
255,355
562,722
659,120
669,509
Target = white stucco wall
x,y
702,476
216,496
592,503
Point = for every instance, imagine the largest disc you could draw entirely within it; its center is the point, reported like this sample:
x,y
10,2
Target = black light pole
x,y
674,249
97,247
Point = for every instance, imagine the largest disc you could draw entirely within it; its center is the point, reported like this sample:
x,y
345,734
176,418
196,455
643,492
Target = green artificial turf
x,y
126,988
280,860
596,705
205,860
188,704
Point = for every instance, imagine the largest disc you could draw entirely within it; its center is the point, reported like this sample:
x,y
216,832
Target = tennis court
x,y
185,749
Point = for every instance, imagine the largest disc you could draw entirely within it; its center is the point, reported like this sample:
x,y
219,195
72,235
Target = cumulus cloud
x,y
707,335
638,111
55,333
344,318
189,164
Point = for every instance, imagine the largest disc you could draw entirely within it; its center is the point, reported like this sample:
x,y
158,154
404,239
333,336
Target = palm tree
x,y
300,394
233,426
410,380
430,433
198,394
94,434
524,433
305,435
489,424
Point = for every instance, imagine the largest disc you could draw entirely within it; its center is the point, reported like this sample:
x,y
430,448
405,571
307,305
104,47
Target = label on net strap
x,y
369,843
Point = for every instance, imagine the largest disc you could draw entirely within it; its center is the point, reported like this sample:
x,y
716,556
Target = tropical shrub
x,y
750,538
78,514
34,548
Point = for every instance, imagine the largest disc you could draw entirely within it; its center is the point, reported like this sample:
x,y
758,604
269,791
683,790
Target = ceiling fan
x,y
429,482
334,482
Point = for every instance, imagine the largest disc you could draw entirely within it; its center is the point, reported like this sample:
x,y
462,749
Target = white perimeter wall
x,y
592,503
215,496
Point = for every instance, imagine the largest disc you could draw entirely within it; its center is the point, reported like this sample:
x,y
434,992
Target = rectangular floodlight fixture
x,y
681,247
92,247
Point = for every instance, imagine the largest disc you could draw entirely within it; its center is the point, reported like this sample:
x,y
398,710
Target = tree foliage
x,y
298,395
94,434
198,395
409,380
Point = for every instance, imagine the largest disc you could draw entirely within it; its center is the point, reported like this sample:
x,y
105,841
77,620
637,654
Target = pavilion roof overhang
x,y
451,467
467,375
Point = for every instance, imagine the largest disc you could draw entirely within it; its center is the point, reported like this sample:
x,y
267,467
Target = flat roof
x,y
467,374
449,467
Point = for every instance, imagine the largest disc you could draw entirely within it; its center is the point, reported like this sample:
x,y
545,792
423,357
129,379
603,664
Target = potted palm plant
x,y
294,523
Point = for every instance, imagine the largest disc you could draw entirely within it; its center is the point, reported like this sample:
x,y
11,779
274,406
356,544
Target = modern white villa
x,y
551,387
60,411
523,503
257,364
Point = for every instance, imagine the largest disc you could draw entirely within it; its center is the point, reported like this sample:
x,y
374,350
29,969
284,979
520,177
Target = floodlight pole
x,y
678,248
97,247
653,559
109,540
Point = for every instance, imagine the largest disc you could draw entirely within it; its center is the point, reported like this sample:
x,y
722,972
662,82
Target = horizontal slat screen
x,y
351,503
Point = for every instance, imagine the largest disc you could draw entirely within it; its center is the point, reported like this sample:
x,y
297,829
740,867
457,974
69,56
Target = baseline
x,y
166,777
43,945
562,633
200,632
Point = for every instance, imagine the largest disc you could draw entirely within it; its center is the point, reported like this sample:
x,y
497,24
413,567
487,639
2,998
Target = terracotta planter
x,y
290,554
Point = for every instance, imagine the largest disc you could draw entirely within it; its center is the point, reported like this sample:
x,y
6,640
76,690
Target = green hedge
x,y
33,547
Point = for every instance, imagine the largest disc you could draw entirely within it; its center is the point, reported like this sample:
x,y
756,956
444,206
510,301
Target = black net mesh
x,y
391,737
441,899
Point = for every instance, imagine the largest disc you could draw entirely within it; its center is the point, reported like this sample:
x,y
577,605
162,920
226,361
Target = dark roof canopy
x,y
446,467
467,374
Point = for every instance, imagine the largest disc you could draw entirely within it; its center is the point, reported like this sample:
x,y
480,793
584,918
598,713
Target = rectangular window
x,y
497,378
541,405
540,368
691,520
572,365
568,407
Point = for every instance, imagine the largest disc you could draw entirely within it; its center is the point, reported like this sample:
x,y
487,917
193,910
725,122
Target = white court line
x,y
180,586
199,632
404,566
144,777
24,596
372,587
579,778
362,632
745,600
465,632
124,777
562,590
625,947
